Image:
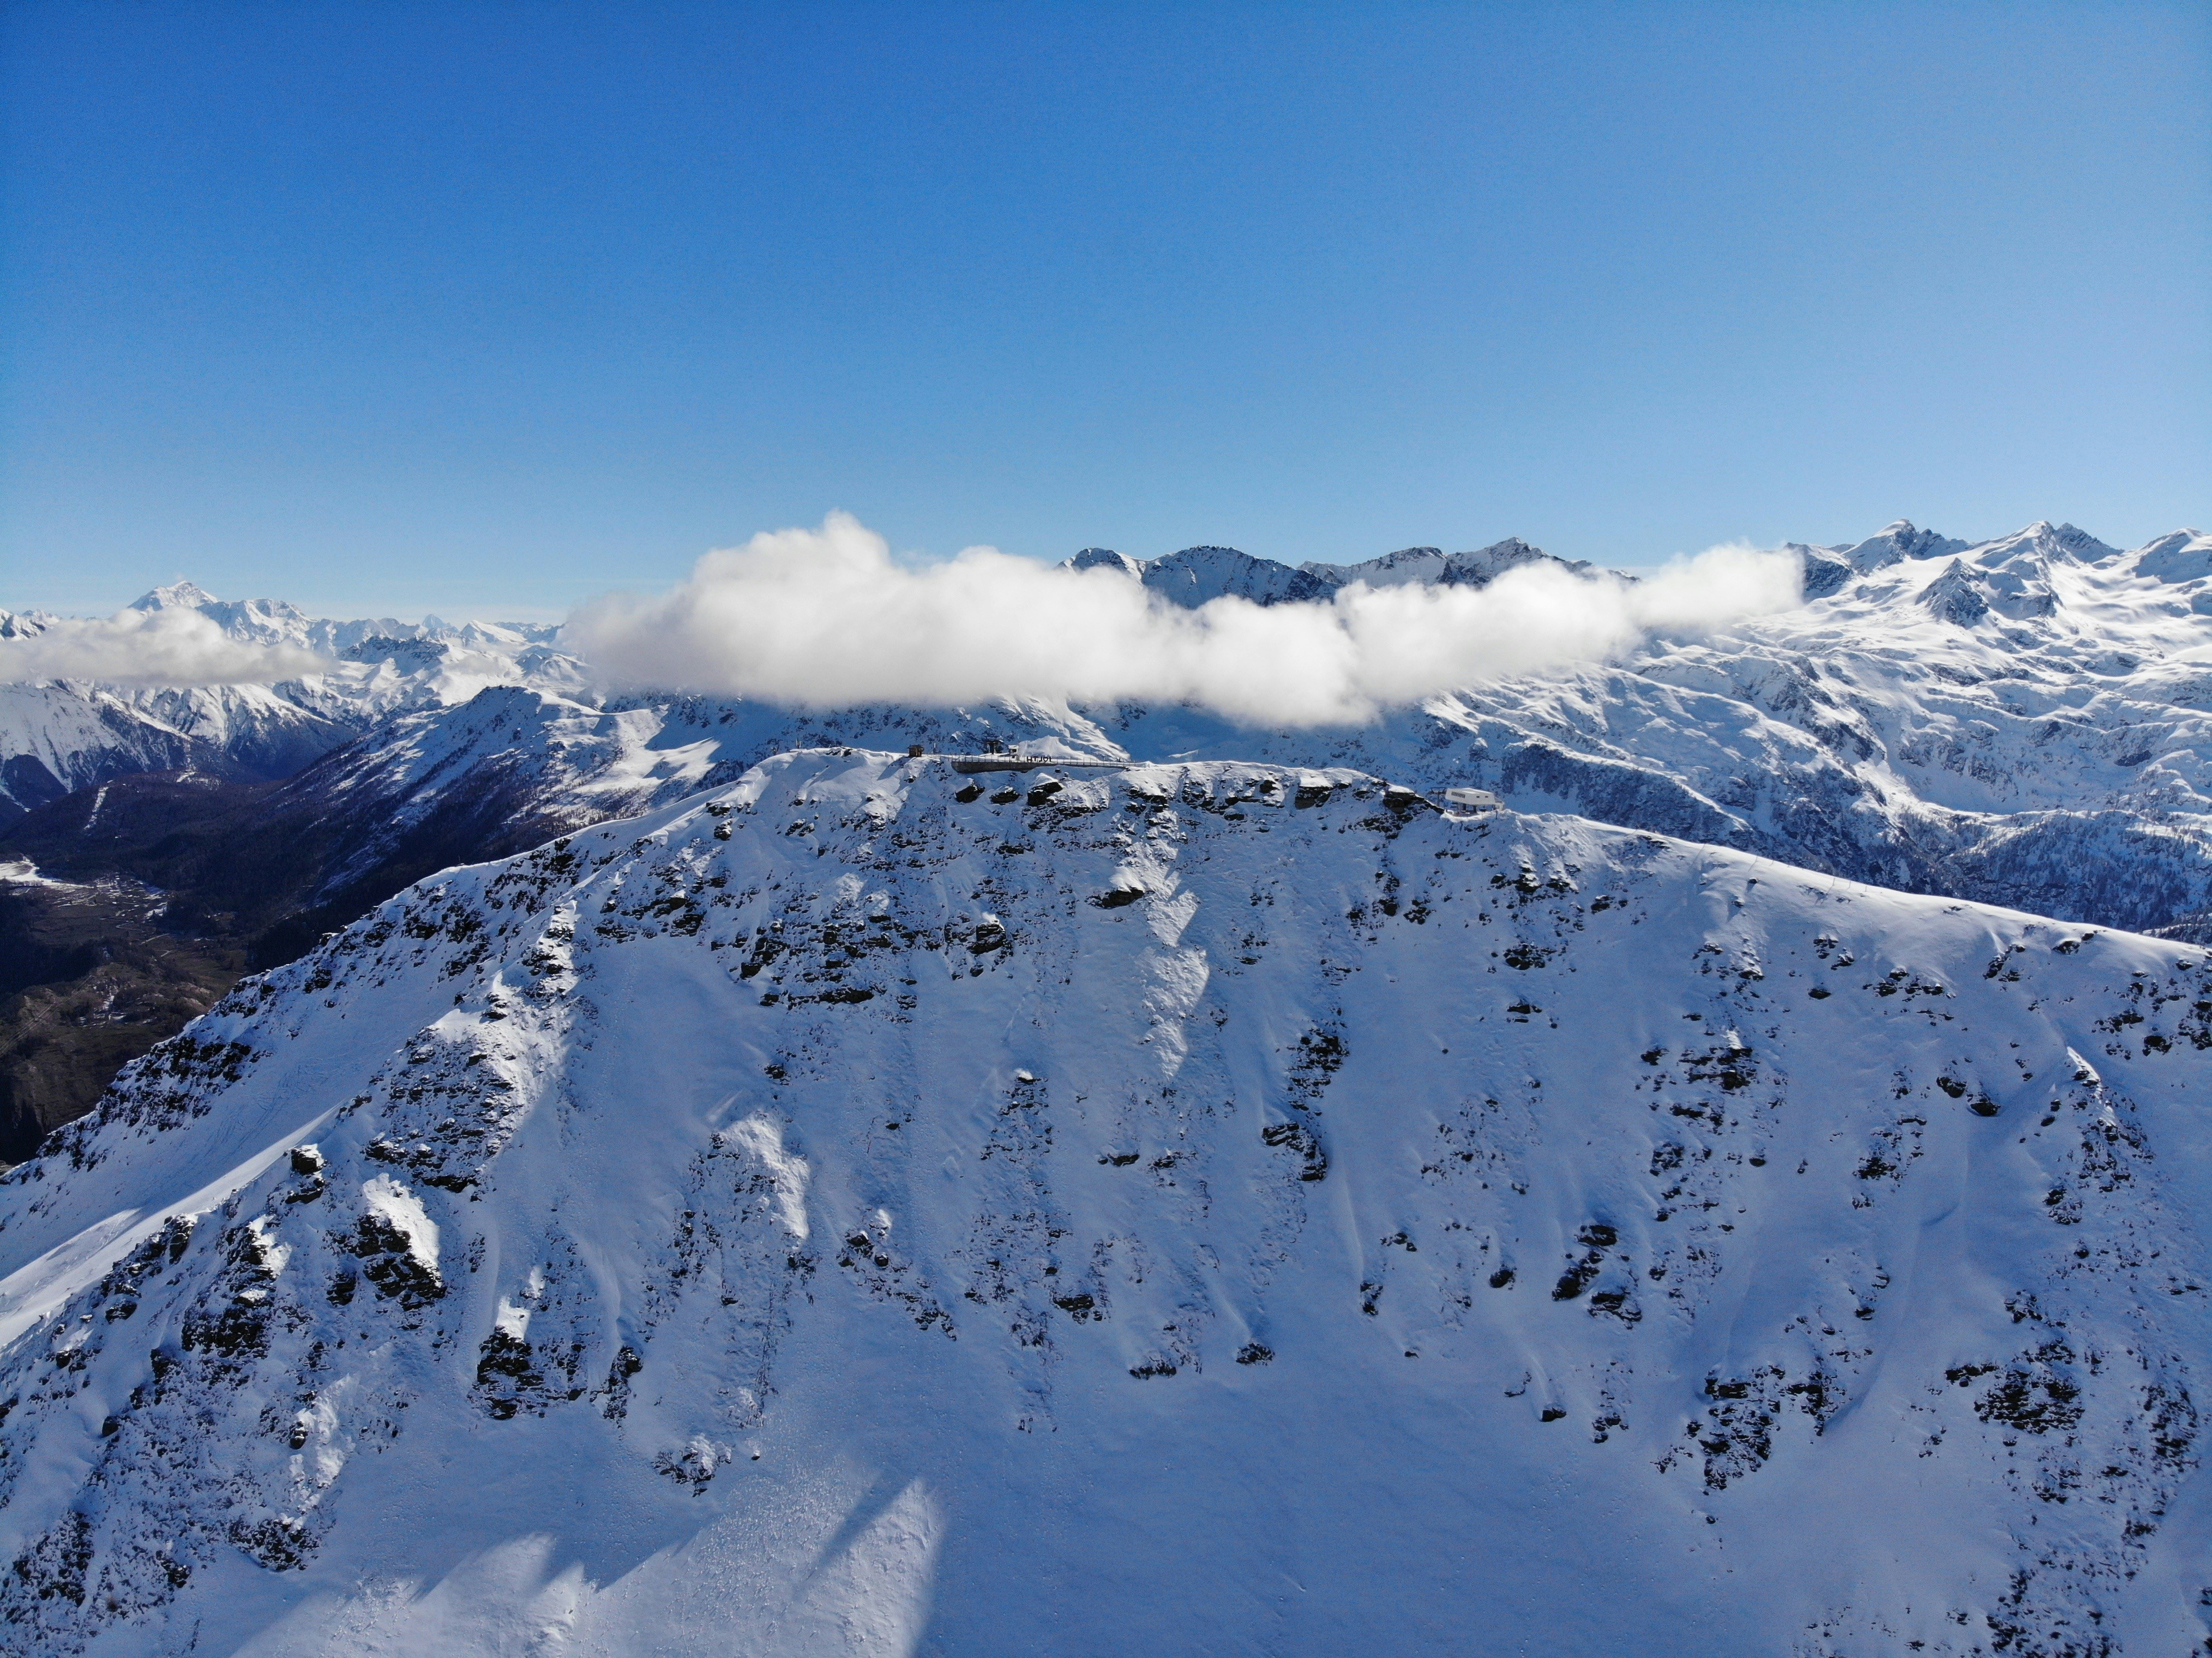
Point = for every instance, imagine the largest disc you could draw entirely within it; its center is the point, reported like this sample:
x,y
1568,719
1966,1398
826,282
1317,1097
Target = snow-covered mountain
x,y
1196,574
2015,722
1890,731
2020,721
61,736
868,1209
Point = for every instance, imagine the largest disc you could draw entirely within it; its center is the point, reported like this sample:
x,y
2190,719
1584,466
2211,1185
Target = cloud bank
x,y
179,648
824,618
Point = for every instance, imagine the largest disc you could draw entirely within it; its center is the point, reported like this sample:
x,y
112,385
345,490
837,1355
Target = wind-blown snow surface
x,y
1216,1207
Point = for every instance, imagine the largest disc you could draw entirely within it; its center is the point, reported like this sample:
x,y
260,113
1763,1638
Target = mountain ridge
x,y
1220,1193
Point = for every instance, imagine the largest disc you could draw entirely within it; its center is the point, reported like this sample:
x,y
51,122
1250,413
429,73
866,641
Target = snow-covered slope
x,y
512,756
2017,721
2020,721
1889,732
57,737
1216,1207
62,736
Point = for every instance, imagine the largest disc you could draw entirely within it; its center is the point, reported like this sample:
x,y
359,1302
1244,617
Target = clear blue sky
x,y
388,308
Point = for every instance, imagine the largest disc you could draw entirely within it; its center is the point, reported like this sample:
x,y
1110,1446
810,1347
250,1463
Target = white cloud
x,y
174,647
825,618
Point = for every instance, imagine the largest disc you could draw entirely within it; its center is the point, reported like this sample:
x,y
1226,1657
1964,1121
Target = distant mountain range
x,y
1196,574
62,735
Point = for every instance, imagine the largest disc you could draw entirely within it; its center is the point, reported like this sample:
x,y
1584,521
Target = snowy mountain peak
x,y
180,595
2184,555
2051,541
1825,573
1408,564
1196,574
258,621
1433,566
58,736
1092,558
2010,578
1895,542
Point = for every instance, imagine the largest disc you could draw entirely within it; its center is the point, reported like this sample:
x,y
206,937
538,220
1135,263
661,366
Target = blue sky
x,y
487,308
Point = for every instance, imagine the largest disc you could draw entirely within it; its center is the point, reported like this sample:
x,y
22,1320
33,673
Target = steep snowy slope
x,y
865,1209
252,875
